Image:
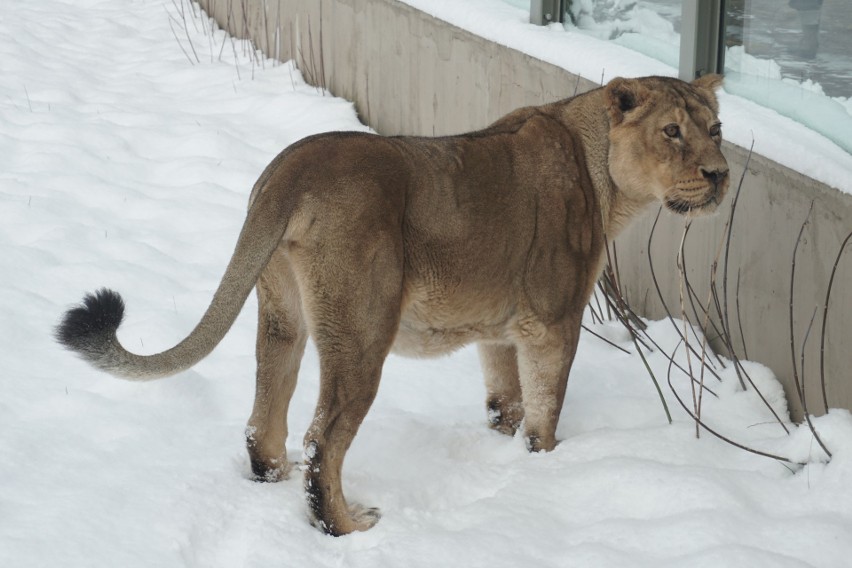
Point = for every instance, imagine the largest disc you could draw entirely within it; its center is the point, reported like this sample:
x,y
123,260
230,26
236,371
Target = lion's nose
x,y
714,176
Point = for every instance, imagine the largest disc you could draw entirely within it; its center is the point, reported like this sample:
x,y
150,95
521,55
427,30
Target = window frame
x,y
702,38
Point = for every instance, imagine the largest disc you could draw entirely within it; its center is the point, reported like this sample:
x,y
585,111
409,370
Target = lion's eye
x,y
672,130
716,129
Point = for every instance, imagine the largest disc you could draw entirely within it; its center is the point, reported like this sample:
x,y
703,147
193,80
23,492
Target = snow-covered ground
x,y
123,165
650,47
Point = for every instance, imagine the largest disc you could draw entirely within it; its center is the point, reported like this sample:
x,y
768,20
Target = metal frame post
x,y
543,12
702,46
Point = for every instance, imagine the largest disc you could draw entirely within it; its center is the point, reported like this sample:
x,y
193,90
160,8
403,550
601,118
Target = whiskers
x,y
683,207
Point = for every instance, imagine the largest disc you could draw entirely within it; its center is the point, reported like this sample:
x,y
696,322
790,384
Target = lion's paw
x,y
363,517
360,518
505,418
271,472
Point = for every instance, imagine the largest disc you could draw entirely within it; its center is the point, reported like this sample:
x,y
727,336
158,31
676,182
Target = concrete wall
x,y
409,73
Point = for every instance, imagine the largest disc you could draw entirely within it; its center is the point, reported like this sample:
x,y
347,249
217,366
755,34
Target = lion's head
x,y
665,140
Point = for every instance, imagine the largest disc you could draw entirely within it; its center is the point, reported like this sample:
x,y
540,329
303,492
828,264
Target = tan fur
x,y
421,245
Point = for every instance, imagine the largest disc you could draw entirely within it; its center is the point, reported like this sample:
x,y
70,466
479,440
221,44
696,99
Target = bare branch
x,y
800,387
654,378
602,338
825,320
660,292
720,436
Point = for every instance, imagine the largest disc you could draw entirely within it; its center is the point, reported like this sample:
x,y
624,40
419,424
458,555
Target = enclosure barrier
x,y
410,73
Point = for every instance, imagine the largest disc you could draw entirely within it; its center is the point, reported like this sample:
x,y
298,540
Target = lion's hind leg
x,y
351,360
354,305
281,336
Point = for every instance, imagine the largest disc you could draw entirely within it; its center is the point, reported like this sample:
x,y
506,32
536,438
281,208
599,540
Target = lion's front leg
x,y
545,355
503,400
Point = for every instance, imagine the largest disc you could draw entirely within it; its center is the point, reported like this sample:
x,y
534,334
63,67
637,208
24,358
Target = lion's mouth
x,y
685,207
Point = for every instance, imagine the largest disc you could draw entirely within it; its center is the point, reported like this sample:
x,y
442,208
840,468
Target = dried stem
x,y
718,435
805,342
693,297
825,320
739,319
660,292
738,366
640,335
602,338
740,370
617,304
800,388
186,31
685,321
174,33
654,378
599,311
730,231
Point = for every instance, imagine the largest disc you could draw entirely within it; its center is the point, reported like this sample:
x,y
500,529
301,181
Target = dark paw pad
x,y
504,418
266,473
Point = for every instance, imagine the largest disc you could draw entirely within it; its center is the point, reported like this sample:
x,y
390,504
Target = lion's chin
x,y
693,207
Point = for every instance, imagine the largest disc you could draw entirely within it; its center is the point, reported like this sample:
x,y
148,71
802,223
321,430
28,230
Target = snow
x,y
123,165
649,46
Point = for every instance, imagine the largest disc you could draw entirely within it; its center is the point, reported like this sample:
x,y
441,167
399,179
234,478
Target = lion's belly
x,y
430,331
419,341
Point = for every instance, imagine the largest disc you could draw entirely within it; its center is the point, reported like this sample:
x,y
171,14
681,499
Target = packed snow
x,y
651,48
125,161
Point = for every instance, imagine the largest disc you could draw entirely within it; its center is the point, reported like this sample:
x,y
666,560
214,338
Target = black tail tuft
x,y
89,328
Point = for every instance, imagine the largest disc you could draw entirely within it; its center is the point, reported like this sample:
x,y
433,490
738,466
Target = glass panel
x,y
525,4
651,27
794,56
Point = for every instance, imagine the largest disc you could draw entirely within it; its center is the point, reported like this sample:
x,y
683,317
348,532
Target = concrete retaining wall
x,y
409,73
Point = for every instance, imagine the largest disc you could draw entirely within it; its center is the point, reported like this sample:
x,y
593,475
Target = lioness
x,y
420,245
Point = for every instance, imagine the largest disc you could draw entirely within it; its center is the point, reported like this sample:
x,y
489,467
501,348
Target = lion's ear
x,y
711,82
623,96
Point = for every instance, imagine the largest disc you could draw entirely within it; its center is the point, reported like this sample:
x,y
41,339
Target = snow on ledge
x,y
775,136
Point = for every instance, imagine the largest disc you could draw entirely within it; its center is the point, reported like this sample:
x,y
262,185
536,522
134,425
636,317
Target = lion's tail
x,y
90,329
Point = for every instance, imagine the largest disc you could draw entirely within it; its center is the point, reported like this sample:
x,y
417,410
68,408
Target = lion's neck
x,y
588,117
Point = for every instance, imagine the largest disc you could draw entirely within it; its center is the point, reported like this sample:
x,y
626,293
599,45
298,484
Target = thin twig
x,y
621,315
654,378
228,20
805,342
742,374
576,86
741,371
599,312
685,320
720,436
726,318
616,272
800,387
635,326
265,8
174,33
321,52
278,33
180,9
660,292
693,297
641,336
739,319
799,390
825,321
602,338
